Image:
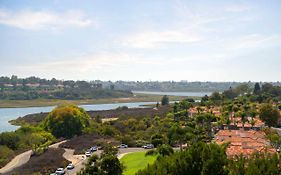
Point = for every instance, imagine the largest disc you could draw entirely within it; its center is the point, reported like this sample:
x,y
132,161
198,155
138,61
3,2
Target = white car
x,y
60,171
123,146
88,154
70,166
148,146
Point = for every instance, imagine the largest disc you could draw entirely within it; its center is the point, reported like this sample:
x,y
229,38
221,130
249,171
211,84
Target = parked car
x,y
70,166
148,146
60,171
88,154
123,146
93,149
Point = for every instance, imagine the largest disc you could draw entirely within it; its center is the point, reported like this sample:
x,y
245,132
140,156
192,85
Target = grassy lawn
x,y
136,161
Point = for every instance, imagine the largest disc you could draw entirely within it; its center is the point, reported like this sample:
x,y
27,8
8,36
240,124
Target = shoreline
x,y
56,102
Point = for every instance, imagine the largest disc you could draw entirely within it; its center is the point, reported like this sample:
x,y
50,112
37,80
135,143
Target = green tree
x,y
165,100
109,150
257,164
177,134
10,139
230,93
157,139
110,165
165,150
66,121
216,97
269,114
107,164
199,159
257,89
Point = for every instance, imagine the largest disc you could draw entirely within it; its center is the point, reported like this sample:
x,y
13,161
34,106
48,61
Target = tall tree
x,y
269,114
257,89
165,100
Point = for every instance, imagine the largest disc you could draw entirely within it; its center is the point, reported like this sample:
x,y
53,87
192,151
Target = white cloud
x,y
79,64
40,20
191,26
152,39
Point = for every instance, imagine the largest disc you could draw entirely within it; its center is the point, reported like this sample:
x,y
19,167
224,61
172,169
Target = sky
x,y
200,40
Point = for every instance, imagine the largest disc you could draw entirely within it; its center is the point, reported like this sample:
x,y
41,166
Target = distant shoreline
x,y
55,102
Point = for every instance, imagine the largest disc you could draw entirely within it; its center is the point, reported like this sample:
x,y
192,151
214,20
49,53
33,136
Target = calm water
x,y
7,114
184,94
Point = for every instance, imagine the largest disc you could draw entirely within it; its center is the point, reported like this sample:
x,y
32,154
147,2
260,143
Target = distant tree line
x,y
134,85
259,93
14,88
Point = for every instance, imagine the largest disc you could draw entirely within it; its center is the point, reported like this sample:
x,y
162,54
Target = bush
x,y
165,150
140,143
10,139
5,154
122,108
129,140
151,152
157,139
199,159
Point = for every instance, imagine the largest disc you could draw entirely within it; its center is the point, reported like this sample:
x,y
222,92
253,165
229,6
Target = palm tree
x,y
253,114
199,109
243,118
235,109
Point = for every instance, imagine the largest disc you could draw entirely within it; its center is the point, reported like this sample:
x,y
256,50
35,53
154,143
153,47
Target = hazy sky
x,y
229,40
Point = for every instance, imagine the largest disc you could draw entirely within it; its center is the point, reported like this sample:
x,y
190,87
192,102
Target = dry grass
x,y
45,163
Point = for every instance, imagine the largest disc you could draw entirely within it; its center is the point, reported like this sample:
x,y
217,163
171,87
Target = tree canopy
x,y
165,100
66,121
269,114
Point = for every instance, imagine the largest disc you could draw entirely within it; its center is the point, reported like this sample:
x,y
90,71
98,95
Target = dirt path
x,y
17,161
22,159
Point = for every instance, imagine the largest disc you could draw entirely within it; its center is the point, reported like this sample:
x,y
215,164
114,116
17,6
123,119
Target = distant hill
x,y
14,88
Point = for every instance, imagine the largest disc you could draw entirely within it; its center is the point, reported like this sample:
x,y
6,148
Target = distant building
x,y
32,85
8,85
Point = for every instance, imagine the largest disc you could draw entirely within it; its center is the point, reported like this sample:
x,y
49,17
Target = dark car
x,y
93,149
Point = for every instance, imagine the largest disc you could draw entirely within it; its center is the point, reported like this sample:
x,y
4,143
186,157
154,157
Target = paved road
x,y
81,160
22,159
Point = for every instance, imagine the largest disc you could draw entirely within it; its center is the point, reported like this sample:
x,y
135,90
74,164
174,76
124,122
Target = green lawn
x,y
136,161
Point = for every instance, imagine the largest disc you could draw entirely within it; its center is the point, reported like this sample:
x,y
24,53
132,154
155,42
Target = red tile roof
x,y
243,142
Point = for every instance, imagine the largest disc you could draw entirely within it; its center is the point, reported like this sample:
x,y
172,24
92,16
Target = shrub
x,y
5,154
10,139
151,152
